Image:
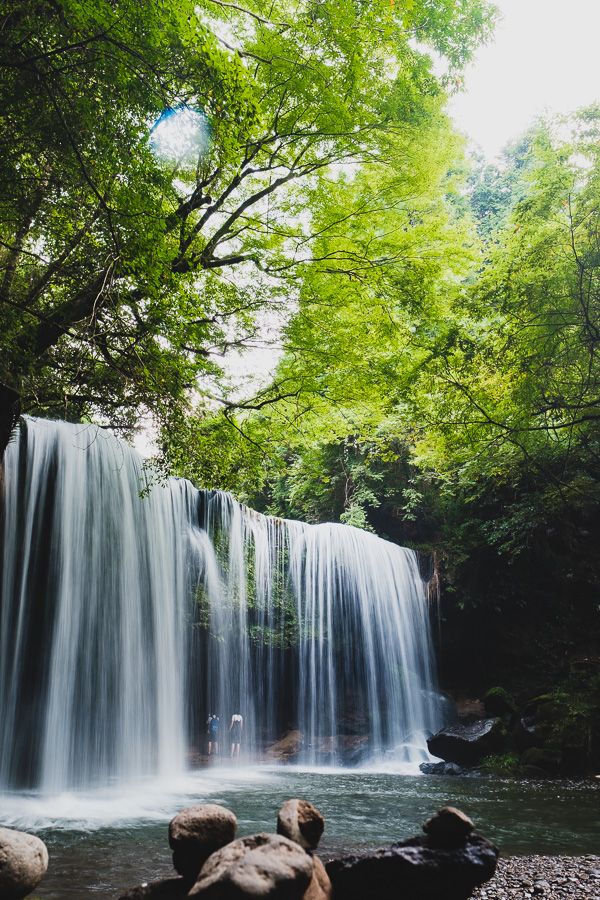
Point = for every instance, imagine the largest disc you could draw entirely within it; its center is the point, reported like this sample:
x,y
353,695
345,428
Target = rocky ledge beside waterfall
x,y
542,738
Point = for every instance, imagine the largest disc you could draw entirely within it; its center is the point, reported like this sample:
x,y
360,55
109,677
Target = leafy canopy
x,y
116,295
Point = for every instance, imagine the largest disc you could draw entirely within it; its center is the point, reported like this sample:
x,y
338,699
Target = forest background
x,y
179,181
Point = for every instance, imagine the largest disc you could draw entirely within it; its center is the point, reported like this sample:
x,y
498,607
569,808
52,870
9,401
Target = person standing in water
x,y
212,730
235,729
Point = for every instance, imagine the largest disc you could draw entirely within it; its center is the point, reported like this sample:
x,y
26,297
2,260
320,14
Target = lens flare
x,y
180,135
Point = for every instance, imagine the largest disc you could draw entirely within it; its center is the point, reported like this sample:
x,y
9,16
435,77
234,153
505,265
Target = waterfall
x,y
321,628
129,612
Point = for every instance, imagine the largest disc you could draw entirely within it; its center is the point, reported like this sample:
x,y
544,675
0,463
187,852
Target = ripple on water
x,y
102,842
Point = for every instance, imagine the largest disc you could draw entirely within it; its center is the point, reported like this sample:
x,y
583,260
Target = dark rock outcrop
x,y
442,768
466,745
416,869
498,702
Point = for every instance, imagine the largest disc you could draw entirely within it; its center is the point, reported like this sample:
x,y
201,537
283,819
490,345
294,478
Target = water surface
x,y
102,843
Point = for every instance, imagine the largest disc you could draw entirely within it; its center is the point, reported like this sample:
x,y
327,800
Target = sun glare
x,y
180,135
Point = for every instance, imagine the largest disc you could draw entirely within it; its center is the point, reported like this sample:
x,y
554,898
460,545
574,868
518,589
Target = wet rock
x,y
347,749
320,886
470,708
441,768
498,702
467,744
415,869
299,821
543,759
165,889
196,832
354,749
287,748
23,863
259,866
449,827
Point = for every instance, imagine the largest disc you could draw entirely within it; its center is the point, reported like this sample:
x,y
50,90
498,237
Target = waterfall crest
x,y
125,619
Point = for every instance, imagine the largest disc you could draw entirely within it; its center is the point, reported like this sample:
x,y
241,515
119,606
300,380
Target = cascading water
x,y
125,618
322,628
92,619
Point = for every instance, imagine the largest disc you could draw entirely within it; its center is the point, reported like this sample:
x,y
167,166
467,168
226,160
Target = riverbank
x,y
553,877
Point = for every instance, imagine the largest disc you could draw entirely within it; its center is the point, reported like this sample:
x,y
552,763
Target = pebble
x,y
544,877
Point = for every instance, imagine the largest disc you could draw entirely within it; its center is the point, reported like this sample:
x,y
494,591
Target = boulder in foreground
x,y
299,821
260,866
196,832
447,863
23,863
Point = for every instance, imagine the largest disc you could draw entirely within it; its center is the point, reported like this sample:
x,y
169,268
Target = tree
x,y
496,188
517,370
116,297
89,314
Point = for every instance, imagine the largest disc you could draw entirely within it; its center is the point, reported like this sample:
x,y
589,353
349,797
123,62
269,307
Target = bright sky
x,y
546,56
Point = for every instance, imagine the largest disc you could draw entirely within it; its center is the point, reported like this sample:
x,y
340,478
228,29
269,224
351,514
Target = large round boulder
x,y
23,862
260,866
196,832
299,821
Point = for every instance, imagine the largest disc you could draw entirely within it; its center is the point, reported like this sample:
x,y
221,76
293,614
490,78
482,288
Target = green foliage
x,y
449,399
496,188
115,297
504,765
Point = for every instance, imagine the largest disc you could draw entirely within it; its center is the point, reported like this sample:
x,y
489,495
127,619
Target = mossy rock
x,y
544,758
498,702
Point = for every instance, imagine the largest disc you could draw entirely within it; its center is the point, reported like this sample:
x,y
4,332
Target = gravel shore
x,y
522,877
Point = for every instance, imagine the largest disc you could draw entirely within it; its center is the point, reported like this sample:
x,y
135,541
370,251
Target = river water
x,y
102,843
